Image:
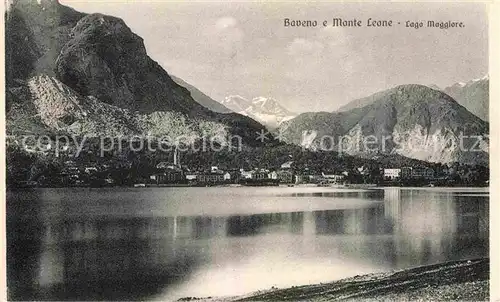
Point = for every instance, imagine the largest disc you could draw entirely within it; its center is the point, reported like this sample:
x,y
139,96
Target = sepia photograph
x,y
247,150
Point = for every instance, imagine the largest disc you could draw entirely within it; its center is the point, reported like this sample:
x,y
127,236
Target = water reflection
x,y
67,257
436,227
368,195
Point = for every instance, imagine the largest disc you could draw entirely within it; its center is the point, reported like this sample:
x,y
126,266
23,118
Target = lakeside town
x,y
166,173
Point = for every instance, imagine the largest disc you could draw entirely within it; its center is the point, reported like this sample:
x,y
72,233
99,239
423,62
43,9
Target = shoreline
x,y
452,280
352,186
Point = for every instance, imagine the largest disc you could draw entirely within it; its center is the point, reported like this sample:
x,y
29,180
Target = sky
x,y
243,48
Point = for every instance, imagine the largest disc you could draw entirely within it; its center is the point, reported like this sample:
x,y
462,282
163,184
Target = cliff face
x,y
104,58
35,32
90,74
410,120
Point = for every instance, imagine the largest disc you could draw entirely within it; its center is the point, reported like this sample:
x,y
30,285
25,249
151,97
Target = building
x,y
333,178
406,172
314,178
273,175
426,173
245,174
210,178
260,174
392,173
255,174
90,170
299,179
168,176
417,173
285,176
191,177
234,176
166,165
287,165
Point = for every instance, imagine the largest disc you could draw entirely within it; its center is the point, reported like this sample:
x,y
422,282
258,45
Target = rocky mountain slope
x,y
57,108
267,111
90,74
473,95
411,120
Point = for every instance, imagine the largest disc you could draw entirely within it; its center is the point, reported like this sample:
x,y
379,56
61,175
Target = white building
x,y
246,174
392,173
273,175
333,178
191,177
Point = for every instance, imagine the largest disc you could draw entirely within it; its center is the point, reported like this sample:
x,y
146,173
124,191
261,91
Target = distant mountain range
x,y
267,111
473,95
411,120
89,74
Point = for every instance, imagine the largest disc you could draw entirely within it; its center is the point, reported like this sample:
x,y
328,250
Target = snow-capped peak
x,y
486,77
235,96
236,103
266,110
270,106
462,84
261,99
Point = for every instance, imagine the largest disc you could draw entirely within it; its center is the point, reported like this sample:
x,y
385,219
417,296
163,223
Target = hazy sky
x,y
243,48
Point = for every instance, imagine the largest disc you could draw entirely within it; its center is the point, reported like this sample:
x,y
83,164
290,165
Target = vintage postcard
x,y
247,151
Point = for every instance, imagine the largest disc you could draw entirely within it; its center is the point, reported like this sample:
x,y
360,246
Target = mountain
x,y
434,86
473,95
105,59
236,103
270,105
267,111
411,120
358,103
201,98
34,35
65,67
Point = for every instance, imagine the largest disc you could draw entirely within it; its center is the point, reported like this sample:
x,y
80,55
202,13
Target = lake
x,y
168,243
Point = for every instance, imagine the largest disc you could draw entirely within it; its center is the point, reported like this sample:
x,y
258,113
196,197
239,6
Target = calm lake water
x,y
167,243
